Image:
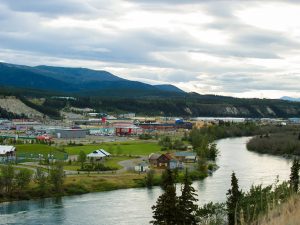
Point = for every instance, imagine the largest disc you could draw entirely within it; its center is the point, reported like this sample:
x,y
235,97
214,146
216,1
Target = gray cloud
x,y
169,52
52,7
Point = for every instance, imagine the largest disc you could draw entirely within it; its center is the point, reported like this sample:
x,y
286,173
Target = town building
x,y
127,129
142,167
153,159
98,155
188,157
70,133
7,153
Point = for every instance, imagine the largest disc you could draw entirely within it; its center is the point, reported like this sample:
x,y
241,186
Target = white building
x,y
7,152
142,167
98,155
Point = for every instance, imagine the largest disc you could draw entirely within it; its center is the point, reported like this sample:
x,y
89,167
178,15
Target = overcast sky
x,y
238,48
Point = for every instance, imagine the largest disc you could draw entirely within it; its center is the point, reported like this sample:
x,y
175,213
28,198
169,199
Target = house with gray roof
x,y
186,156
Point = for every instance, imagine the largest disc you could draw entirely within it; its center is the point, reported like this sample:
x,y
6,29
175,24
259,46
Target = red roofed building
x,y
44,137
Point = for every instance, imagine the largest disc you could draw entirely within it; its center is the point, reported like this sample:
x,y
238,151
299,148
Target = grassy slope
x,y
127,148
95,182
287,214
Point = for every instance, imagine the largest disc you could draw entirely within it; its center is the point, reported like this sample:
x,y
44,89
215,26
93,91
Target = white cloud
x,y
238,48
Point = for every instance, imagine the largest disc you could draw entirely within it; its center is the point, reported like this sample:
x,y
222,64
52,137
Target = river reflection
x,y
133,206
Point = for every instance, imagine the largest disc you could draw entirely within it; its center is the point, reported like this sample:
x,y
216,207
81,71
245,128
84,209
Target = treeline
x,y
284,143
167,143
241,207
190,105
228,129
10,115
186,106
51,110
15,183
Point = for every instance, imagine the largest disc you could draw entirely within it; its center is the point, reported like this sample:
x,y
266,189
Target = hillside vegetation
x,y
194,106
287,214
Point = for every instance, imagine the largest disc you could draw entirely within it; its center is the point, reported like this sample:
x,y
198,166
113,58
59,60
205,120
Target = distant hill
x,y
286,98
106,92
24,77
80,81
168,87
76,75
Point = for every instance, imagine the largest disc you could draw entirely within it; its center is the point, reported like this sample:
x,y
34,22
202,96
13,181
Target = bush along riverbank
x,y
283,143
24,184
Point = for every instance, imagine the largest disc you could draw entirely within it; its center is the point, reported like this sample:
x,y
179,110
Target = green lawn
x,y
122,148
33,150
111,162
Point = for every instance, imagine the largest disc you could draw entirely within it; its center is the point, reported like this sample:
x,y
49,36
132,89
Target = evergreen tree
x,y
233,198
186,205
294,177
165,210
167,179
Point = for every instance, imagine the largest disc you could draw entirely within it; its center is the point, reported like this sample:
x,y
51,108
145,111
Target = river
x,y
133,206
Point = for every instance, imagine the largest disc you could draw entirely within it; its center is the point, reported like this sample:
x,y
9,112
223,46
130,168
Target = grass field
x,y
123,148
95,183
111,162
33,150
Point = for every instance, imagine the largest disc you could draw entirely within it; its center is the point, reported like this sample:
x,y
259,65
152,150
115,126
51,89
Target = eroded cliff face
x,y
14,105
214,107
242,111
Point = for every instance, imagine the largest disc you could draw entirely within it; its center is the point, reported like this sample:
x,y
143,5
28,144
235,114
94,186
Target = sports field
x,y
122,148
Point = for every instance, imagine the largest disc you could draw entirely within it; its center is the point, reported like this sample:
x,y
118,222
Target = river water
x,y
133,206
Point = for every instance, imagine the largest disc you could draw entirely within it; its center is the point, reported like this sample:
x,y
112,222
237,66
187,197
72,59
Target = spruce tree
x,y
186,205
165,210
167,179
294,177
233,198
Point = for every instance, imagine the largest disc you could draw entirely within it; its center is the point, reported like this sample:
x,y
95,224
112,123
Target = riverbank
x,y
133,206
79,184
89,183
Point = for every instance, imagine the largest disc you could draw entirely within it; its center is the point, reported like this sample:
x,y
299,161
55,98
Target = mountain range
x,y
78,81
291,99
106,92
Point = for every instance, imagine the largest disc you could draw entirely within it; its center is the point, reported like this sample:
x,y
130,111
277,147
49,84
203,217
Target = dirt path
x,y
127,165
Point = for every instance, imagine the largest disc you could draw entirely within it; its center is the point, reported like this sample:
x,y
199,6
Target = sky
x,y
234,48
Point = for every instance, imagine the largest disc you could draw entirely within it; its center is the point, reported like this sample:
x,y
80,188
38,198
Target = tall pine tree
x,y
294,177
233,198
165,210
187,206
